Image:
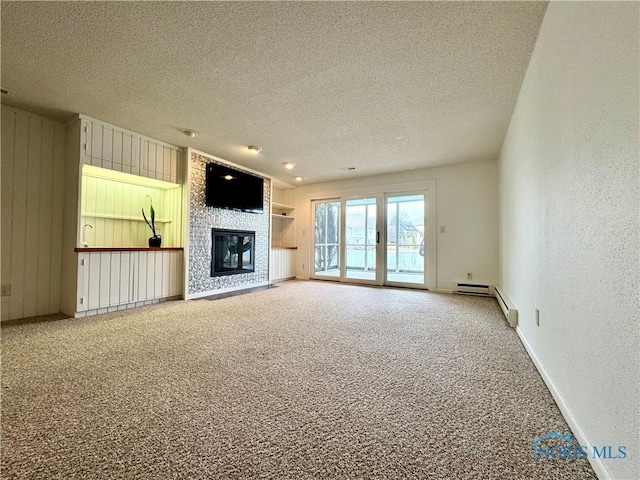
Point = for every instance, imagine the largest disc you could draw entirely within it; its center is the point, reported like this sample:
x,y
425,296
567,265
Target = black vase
x,y
155,242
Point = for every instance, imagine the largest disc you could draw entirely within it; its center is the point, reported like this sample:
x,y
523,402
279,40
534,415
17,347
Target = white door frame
x,y
426,258
379,244
428,186
312,237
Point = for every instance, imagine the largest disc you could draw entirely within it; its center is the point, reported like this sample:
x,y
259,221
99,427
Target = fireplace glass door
x,y
232,252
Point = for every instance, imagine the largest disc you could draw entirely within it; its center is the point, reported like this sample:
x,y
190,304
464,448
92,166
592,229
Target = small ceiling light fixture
x,y
298,179
253,149
228,177
288,165
190,133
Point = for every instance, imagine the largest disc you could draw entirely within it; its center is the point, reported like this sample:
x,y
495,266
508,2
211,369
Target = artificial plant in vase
x,y
156,240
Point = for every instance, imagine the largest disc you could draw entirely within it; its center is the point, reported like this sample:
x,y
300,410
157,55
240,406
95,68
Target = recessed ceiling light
x,y
288,165
298,179
228,177
253,149
190,133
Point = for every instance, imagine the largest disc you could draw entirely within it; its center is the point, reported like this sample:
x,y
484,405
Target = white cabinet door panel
x,y
144,157
126,161
93,272
95,144
166,274
83,282
151,275
106,156
114,278
118,137
135,155
124,278
159,163
109,279
173,165
158,274
141,274
105,277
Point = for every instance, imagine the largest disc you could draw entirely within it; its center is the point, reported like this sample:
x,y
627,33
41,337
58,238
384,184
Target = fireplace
x,y
232,252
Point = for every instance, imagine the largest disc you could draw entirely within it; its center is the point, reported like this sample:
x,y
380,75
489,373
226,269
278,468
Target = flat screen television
x,y
229,188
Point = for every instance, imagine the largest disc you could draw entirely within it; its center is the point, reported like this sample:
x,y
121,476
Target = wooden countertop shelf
x,y
124,249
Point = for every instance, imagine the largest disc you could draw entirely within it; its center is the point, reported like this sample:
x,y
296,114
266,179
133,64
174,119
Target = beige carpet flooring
x,y
306,380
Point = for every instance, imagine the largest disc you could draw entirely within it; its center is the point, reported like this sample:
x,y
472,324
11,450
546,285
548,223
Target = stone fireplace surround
x,y
203,219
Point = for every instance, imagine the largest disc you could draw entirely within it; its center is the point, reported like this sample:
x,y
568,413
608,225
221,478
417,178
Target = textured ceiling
x,y
384,86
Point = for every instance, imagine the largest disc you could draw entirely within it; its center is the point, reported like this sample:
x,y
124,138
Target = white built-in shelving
x,y
123,217
283,248
111,174
112,203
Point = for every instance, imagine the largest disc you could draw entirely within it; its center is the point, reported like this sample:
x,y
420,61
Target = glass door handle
x,y
377,237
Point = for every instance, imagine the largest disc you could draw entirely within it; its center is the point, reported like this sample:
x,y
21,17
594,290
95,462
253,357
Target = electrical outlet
x,y
6,289
469,276
537,317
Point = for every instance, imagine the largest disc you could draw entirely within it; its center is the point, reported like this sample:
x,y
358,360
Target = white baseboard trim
x,y
193,296
284,279
124,306
596,463
443,290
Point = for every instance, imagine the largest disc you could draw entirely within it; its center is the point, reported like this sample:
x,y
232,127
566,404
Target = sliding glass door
x,y
377,240
361,240
405,253
326,223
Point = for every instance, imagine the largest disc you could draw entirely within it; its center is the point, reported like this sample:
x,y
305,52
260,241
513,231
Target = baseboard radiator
x,y
509,310
473,289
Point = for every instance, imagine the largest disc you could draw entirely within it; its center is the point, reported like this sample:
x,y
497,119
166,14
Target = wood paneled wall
x,y
33,150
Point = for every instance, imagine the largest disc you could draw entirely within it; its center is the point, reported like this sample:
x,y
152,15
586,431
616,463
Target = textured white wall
x,y
32,196
466,205
569,191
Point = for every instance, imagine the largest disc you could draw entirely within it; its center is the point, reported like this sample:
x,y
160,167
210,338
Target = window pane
x,y
320,222
326,238
371,224
405,234
333,222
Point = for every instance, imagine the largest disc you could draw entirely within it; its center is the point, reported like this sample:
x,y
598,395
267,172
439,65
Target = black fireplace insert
x,y
232,252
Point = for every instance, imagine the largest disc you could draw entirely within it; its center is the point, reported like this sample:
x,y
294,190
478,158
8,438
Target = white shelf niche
x,y
112,202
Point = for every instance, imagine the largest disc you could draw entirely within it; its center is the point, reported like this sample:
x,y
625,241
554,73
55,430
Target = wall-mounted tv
x,y
229,188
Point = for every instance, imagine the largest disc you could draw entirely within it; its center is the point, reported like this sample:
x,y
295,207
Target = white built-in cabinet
x,y
107,265
282,259
106,146
115,280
